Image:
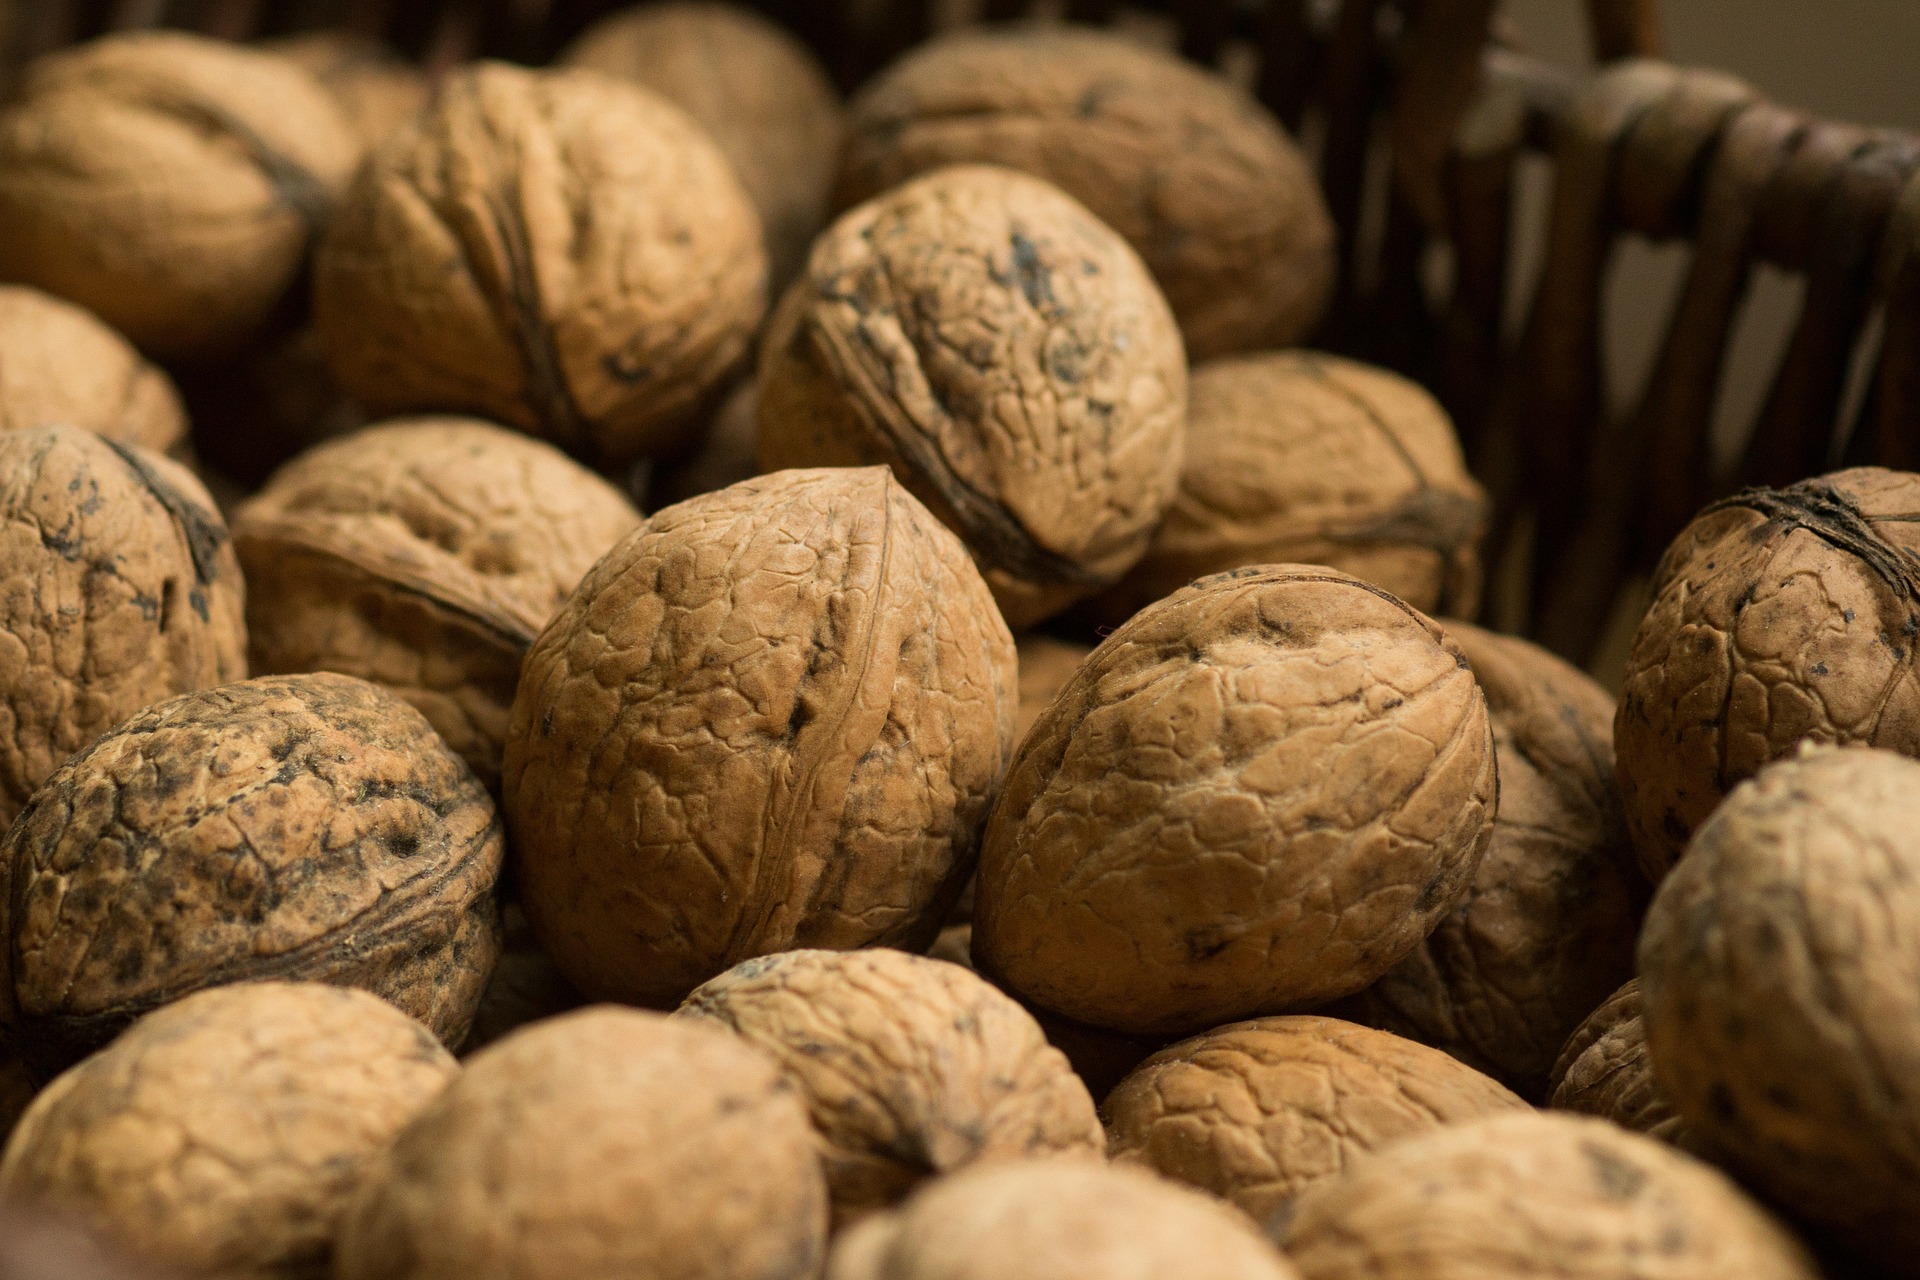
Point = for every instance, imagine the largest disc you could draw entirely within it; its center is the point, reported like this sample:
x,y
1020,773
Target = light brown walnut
x,y
1257,796
59,366
1605,1071
607,1142
223,1135
1256,1112
168,183
118,588
554,250
1008,356
772,717
424,555
376,90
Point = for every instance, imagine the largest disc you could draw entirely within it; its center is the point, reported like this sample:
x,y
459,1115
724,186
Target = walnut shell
x,y
120,589
911,1068
169,183
1060,1219
423,555
759,92
222,1135
376,90
37,1245
1197,175
300,827
773,717
607,1142
1780,979
1527,1197
1046,664
1258,795
726,456
1008,356
1258,1111
1778,615
550,249
1303,458
1605,1071
1548,928
61,366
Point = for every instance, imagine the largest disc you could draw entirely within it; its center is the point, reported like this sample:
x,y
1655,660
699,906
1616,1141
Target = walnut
x,y
377,91
1303,458
1258,795
59,366
1008,356
607,1142
37,1245
759,92
223,1134
120,589
550,249
911,1068
772,717
1046,664
1548,928
1060,1219
424,555
525,987
1256,1112
726,456
1778,615
168,183
1780,980
1523,1197
1197,176
1605,1071
297,827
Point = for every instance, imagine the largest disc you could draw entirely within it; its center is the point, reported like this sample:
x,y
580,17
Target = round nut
x,y
727,456
59,366
1548,928
222,1135
911,1068
423,555
37,1245
168,183
1008,356
297,827
1061,1219
641,1146
377,91
1256,1112
1258,795
1199,177
1780,978
773,717
1046,664
121,589
1605,1071
1521,1197
1302,458
1778,615
550,249
759,92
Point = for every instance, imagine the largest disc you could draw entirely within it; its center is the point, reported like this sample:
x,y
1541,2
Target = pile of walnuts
x,y
740,688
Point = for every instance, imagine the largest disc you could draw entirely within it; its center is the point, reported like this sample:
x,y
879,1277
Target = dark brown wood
x,y
1288,55
1439,72
1624,29
1205,26
1888,434
1350,83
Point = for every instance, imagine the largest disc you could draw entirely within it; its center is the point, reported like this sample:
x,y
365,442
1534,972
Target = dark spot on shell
x,y
1616,1179
1036,282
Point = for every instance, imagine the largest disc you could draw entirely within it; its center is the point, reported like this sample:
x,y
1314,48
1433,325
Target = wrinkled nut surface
x,y
554,250
1046,664
1008,356
1777,616
423,555
297,827
1256,1112
728,455
1548,928
168,183
1301,458
1605,1071
222,1135
59,366
756,89
772,717
1060,1219
607,1142
120,589
376,90
1780,980
1530,1196
1197,176
910,1067
1258,795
